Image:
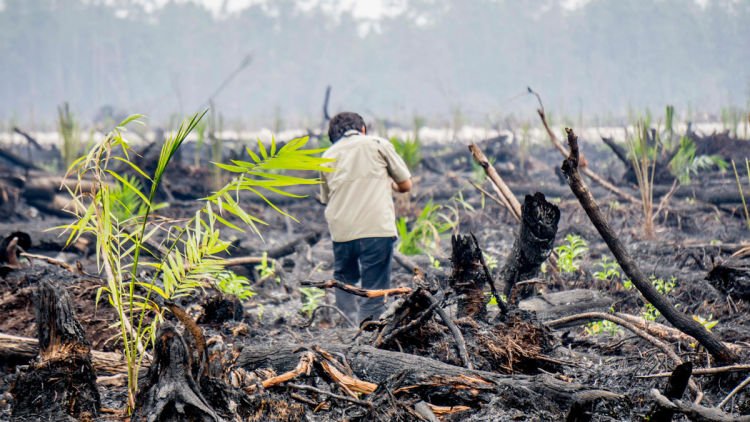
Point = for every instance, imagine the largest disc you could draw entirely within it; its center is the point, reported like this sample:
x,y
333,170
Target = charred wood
x,y
435,382
641,282
61,382
676,386
468,277
732,277
532,246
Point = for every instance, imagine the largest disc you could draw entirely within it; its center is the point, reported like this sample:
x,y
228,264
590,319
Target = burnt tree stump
x,y
532,246
732,277
170,393
60,384
468,276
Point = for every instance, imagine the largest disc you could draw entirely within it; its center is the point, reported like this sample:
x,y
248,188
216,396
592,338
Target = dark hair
x,y
343,122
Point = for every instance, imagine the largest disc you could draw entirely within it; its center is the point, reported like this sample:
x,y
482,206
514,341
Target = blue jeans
x,y
368,260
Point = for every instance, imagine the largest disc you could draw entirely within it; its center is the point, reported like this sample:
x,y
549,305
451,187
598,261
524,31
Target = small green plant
x,y
235,285
650,313
424,233
609,270
707,323
490,260
603,326
434,262
686,164
311,297
126,202
267,269
70,134
493,301
644,150
410,150
570,253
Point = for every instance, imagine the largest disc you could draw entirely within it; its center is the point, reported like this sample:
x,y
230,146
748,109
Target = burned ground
x,y
271,360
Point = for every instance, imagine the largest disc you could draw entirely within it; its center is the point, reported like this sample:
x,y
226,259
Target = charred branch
x,y
640,281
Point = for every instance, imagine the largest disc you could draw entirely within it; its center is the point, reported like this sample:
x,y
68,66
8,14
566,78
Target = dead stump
x,y
60,384
532,246
170,392
732,277
468,278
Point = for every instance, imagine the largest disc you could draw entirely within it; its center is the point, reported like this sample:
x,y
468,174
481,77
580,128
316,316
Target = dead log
x,y
695,412
23,349
17,161
676,386
582,409
433,381
44,239
641,282
61,382
532,246
552,305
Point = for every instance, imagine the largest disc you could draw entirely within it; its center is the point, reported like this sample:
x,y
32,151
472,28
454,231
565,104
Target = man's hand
x,y
401,187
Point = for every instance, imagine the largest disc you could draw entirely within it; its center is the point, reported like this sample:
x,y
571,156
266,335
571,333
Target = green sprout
x,y
570,253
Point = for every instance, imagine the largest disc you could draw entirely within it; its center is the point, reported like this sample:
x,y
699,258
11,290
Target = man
x,y
360,211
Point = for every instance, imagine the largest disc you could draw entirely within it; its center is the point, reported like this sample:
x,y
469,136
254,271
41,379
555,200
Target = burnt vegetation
x,y
599,283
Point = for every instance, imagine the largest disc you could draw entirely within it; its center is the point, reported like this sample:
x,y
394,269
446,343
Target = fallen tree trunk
x,y
640,281
434,380
25,349
16,160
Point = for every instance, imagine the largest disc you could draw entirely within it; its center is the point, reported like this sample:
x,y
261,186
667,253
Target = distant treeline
x,y
448,59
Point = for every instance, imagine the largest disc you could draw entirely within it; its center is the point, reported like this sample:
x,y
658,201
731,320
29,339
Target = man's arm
x,y
324,191
397,169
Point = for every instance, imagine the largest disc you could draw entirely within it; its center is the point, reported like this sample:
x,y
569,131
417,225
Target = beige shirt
x,y
358,192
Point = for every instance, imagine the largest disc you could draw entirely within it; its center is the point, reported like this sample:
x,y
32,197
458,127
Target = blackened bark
x,y
732,277
533,243
61,383
170,392
468,276
676,387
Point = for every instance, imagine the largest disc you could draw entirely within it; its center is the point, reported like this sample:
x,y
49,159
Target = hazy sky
x,y
444,59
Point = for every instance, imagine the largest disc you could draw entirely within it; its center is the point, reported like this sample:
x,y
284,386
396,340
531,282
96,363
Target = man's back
x,y
358,192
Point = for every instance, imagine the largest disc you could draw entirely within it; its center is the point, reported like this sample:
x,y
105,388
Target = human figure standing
x,y
359,209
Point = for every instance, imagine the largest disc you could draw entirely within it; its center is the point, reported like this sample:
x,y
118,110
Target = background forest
x,y
439,58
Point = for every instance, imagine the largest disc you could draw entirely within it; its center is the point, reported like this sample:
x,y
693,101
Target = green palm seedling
x,y
188,255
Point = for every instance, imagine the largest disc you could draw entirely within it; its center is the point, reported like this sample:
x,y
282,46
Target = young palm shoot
x,y
189,252
644,157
